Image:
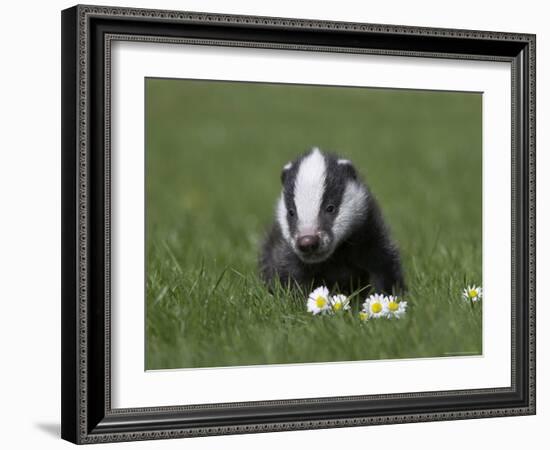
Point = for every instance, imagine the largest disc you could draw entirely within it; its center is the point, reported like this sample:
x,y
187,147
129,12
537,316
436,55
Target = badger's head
x,y
321,202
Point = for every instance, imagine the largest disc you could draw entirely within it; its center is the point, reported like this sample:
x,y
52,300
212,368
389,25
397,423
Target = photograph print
x,y
292,224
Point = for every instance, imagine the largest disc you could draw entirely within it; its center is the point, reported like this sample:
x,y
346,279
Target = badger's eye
x,y
291,212
330,209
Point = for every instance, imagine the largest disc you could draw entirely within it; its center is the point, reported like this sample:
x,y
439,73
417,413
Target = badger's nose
x,y
308,243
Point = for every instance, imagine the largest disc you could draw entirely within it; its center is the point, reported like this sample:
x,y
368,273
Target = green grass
x,y
214,152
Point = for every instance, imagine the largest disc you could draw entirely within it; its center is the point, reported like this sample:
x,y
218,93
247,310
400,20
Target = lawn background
x,y
214,153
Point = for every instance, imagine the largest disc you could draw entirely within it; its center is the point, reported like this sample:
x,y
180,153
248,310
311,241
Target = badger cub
x,y
329,231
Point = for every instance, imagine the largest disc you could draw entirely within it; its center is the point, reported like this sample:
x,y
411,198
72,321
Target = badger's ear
x,y
285,171
347,167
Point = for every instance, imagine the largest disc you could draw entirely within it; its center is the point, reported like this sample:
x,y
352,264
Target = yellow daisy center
x,y
337,306
472,293
376,308
320,302
393,306
363,315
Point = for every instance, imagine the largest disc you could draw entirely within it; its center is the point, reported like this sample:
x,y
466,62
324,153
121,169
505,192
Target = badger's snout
x,y
313,247
308,244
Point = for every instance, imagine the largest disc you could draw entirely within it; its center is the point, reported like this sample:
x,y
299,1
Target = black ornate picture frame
x,y
87,34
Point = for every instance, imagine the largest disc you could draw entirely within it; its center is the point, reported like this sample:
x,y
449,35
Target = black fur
x,y
368,256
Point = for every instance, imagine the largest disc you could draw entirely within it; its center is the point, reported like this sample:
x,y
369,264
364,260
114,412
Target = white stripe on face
x,y
309,187
282,219
353,206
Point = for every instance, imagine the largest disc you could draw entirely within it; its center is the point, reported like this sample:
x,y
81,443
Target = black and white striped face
x,y
321,202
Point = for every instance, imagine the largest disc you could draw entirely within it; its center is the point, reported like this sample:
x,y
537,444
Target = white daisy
x,y
340,303
376,306
395,309
472,293
319,301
